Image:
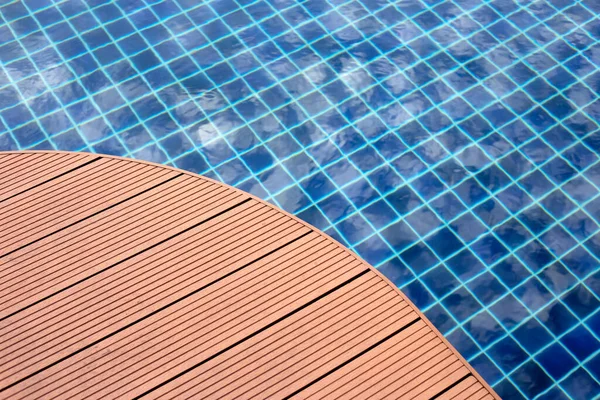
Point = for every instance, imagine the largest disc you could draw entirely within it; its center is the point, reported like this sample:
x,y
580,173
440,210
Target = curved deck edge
x,y
87,156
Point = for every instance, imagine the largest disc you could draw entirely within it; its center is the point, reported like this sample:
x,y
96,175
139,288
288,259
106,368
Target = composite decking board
x,y
71,198
16,170
440,381
300,348
464,390
94,235
401,349
187,287
163,345
482,394
144,284
72,254
93,176
404,360
17,176
408,380
34,222
7,157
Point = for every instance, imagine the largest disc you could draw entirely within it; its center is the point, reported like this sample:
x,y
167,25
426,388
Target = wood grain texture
x,y
125,279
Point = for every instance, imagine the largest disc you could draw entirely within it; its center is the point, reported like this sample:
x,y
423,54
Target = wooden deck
x,y
124,279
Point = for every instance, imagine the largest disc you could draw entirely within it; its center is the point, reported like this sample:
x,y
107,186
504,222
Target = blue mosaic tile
x,y
581,385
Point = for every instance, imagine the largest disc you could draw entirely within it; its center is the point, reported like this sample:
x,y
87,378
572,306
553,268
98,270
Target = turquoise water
x,y
452,144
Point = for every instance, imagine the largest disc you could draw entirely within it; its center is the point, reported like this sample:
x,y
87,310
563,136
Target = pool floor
x,y
452,144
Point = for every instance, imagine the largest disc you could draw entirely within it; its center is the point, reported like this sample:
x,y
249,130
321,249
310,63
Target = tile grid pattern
x,y
388,112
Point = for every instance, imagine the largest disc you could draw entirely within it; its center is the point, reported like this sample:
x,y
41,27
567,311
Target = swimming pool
x,y
452,144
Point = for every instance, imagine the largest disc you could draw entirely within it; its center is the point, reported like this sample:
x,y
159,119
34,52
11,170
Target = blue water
x,y
452,144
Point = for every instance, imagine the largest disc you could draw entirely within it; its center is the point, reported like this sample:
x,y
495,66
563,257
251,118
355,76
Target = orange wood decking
x,y
124,279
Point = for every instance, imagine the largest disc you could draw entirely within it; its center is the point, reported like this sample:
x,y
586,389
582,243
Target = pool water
x,y
453,144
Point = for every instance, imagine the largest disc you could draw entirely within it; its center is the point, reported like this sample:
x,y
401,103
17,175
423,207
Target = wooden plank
x,y
199,326
6,158
56,262
404,348
72,197
144,284
120,279
16,170
406,366
464,390
20,172
282,359
439,381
